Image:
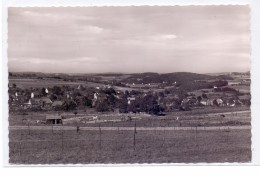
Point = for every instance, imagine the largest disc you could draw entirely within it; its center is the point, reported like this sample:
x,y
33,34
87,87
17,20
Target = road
x,y
244,127
227,113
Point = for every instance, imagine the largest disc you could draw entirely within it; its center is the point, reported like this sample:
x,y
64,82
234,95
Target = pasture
x,y
145,139
113,119
128,146
39,83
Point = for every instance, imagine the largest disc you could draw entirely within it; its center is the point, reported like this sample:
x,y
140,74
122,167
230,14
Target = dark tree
x,y
86,101
102,106
199,98
149,104
53,97
57,90
43,92
110,91
204,95
127,93
123,105
69,105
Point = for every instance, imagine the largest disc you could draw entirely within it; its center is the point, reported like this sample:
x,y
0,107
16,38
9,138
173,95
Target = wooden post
x,y
228,135
196,132
134,134
99,137
134,141
62,139
163,137
29,128
196,135
20,149
135,126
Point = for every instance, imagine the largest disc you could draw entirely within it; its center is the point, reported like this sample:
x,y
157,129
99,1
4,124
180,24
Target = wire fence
x,y
118,146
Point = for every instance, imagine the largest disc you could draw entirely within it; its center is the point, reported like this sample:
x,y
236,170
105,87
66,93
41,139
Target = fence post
x,y
29,128
134,134
135,126
163,137
196,135
20,149
228,134
99,136
62,139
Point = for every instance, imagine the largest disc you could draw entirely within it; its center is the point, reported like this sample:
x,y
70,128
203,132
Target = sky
x,y
163,39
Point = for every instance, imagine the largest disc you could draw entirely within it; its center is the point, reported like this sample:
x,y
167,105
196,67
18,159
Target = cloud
x,y
92,29
165,37
129,39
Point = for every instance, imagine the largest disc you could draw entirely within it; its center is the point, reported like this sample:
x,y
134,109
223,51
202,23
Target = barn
x,y
54,119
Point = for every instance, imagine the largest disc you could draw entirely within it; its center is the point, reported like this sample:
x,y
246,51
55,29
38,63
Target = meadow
x,y
165,146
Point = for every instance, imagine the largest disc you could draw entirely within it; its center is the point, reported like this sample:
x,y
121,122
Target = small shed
x,y
54,119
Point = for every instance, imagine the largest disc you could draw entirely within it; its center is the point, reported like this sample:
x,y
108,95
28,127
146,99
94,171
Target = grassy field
x,y
47,147
39,83
113,119
241,88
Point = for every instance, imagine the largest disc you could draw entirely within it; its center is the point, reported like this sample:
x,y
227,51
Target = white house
x,y
32,95
95,96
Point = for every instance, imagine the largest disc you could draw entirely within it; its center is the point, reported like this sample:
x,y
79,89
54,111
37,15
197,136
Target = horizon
x,y
123,72
81,40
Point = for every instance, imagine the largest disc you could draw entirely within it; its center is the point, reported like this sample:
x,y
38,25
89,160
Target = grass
x,y
45,147
39,83
142,120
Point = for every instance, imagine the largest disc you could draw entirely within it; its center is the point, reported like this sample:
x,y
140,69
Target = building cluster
x,y
107,98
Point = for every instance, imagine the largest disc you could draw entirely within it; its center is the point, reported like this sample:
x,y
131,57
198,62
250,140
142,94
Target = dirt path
x,y
128,128
223,113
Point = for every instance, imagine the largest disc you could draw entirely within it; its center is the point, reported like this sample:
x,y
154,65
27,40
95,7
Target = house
x,y
36,102
54,119
46,102
57,104
185,101
219,102
27,104
231,103
129,99
32,95
206,102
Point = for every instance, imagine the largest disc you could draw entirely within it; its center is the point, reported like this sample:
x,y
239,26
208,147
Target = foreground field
x,y
174,138
237,118
127,146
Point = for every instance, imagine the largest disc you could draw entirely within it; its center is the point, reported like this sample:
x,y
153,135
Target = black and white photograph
x,y
129,85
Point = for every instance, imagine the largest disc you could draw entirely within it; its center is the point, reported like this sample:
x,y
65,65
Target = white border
x,y
255,61
47,3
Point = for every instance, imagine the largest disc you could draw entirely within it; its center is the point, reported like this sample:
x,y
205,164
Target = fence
x,y
128,145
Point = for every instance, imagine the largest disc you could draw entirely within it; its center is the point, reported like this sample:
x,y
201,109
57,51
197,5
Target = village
x,y
155,101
